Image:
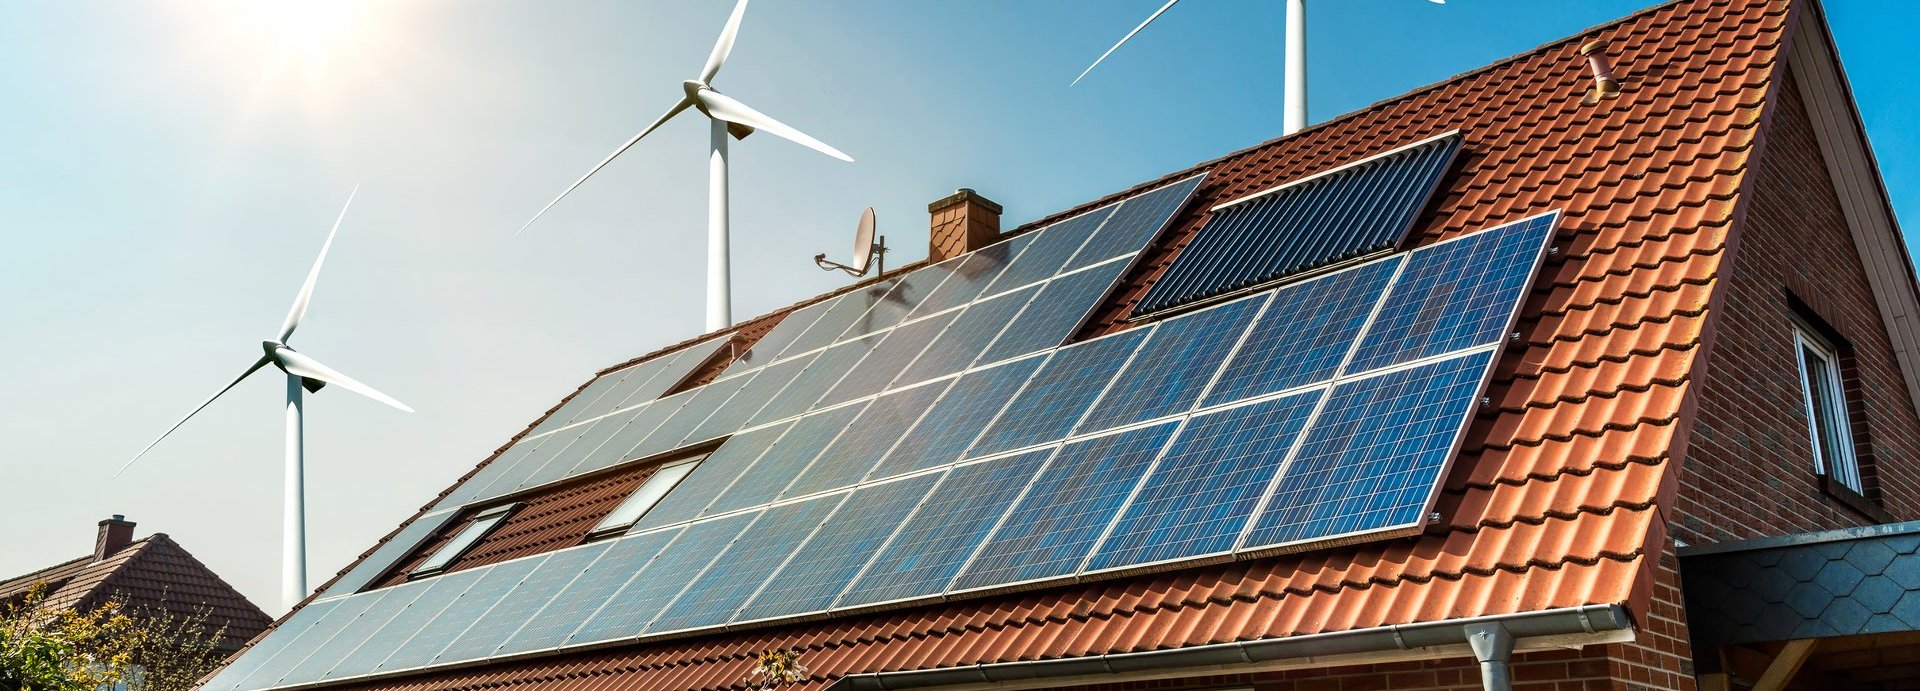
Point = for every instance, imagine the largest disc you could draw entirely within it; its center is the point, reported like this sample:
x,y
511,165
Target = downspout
x,y
1493,647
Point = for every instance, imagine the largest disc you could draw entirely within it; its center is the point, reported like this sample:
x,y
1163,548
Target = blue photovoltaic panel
x,y
785,460
1199,497
323,633
327,657
954,421
727,463
430,596
962,342
821,568
1352,211
622,430
640,424
670,424
1306,332
520,604
896,350
1059,394
1455,295
629,611
761,386
1168,374
575,409
1069,506
1137,222
575,452
286,640
907,293
883,309
640,382
581,598
819,377
766,350
675,432
713,598
491,583
845,314
390,552
932,546
1059,310
1373,457
878,428
1049,250
972,273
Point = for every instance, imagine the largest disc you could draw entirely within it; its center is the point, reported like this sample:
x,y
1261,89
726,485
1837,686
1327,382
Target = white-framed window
x,y
645,497
1828,423
482,523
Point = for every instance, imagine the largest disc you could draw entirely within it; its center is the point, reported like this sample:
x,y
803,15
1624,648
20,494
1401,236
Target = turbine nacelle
x,y
274,356
694,88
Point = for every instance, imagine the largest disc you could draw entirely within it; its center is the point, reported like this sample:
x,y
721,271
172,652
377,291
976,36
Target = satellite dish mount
x,y
869,251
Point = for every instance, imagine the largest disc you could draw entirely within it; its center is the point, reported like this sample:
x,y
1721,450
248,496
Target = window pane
x,y
481,525
648,494
1826,408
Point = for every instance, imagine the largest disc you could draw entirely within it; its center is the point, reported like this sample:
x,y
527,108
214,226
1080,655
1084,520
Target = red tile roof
x,y
1556,499
153,572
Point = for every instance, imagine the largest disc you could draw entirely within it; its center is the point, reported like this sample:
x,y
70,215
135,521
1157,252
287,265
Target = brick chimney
x,y
115,533
961,222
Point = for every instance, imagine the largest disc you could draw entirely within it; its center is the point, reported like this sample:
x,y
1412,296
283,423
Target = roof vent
x,y
1604,84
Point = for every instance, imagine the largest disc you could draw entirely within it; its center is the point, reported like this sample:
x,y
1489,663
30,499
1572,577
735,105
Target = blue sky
x,y
168,170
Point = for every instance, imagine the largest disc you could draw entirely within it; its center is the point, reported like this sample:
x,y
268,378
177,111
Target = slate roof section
x,y
1555,500
1818,585
150,572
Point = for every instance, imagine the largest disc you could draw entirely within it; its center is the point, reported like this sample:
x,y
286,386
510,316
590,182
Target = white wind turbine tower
x,y
304,374
728,116
1293,115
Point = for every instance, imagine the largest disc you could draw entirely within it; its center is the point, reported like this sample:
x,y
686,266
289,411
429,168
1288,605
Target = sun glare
x,y
308,53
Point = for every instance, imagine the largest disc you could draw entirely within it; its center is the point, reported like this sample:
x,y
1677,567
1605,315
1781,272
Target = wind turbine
x,y
727,115
304,374
1293,113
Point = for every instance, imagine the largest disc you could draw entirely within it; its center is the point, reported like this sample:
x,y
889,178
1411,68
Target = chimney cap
x,y
964,194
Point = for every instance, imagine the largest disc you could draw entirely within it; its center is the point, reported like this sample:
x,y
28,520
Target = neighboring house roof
x,y
1557,497
151,572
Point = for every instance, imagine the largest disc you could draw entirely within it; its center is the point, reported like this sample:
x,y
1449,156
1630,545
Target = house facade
x,y
1684,463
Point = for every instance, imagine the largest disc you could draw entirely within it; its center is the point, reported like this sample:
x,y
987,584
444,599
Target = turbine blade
x,y
305,297
730,109
1123,40
300,364
262,362
675,110
724,47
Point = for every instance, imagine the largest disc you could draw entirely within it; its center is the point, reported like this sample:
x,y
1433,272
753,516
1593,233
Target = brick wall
x,y
1749,471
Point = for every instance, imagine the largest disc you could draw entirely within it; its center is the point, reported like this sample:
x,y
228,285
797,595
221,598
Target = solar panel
x,y
640,424
871,435
1455,294
572,605
627,613
1306,332
575,452
286,637
433,595
1168,373
1063,305
819,377
573,410
1048,249
907,292
675,432
727,464
383,606
1137,222
313,640
768,349
387,554
972,273
1360,208
489,584
520,604
633,385
1373,458
788,456
1063,515
930,547
957,418
845,313
963,341
823,566
895,352
1060,393
733,415
712,599
1199,497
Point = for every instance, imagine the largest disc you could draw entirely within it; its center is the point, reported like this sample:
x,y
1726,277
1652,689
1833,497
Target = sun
x,y
311,53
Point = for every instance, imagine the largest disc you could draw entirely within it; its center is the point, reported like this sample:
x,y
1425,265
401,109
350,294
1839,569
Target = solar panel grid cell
x,y
713,476
957,418
628,612
932,546
581,598
968,336
433,595
246,670
845,316
1048,249
1168,374
1137,222
577,451
897,349
786,459
821,375
1199,497
1050,319
1051,530
712,599
770,346
473,603
972,273
1454,295
1060,393
388,602
867,439
518,605
906,294
1305,334
823,566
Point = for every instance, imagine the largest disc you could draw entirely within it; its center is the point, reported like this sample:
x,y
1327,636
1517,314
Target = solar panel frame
x,y
1170,372
516,606
953,423
714,476
1060,310
629,612
571,607
715,596
1057,397
1161,205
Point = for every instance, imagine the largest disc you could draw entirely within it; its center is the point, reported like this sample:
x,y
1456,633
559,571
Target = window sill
x,y
1855,501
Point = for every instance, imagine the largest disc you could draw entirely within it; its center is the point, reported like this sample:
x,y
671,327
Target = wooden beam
x,y
1785,665
1716,681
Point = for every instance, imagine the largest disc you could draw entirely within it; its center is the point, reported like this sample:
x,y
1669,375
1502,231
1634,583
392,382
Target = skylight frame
x,y
477,529
663,480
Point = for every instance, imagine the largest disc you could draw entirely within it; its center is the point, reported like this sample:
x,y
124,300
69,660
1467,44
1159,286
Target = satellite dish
x,y
867,249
